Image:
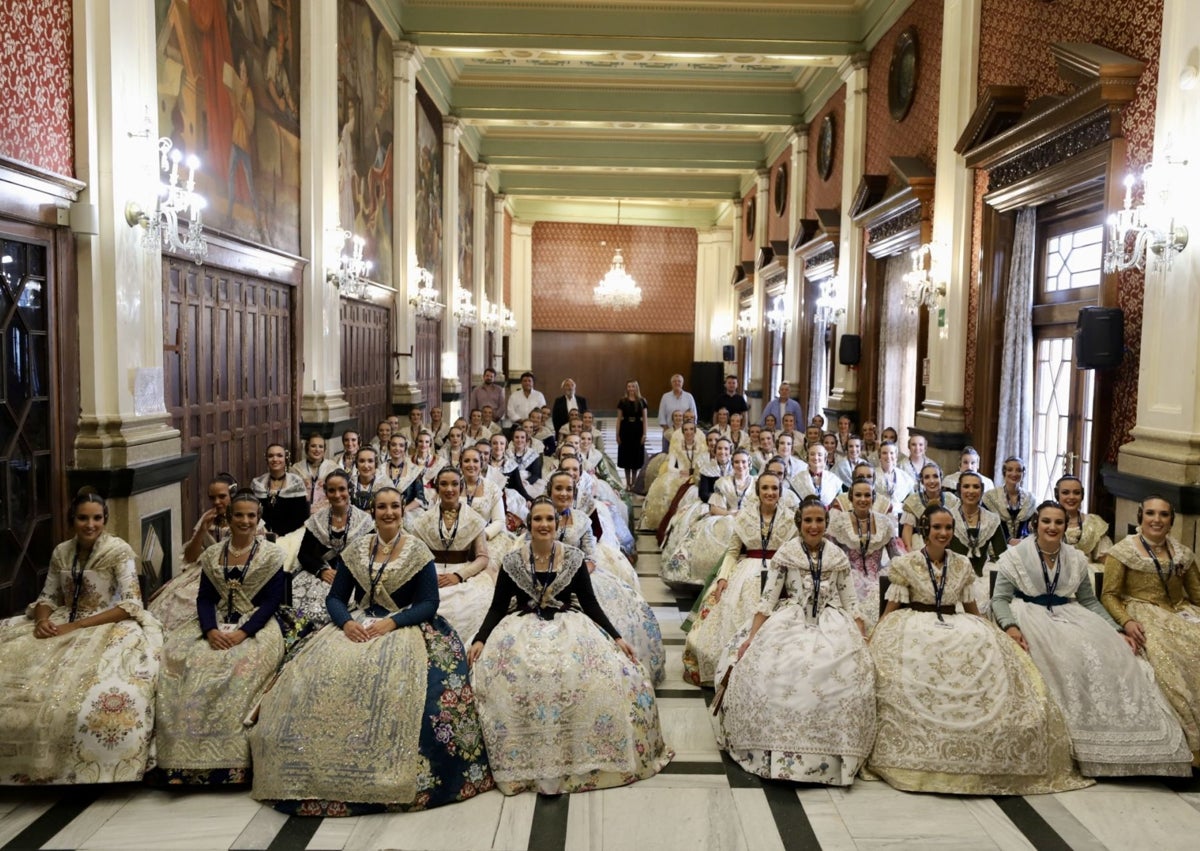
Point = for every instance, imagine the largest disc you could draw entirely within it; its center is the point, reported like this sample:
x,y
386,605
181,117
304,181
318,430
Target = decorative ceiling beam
x,y
621,185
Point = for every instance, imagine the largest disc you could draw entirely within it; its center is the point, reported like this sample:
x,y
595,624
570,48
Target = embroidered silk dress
x,y
451,540
314,480
914,506
702,545
320,549
981,544
870,550
79,707
1014,517
1090,537
387,724
489,505
283,510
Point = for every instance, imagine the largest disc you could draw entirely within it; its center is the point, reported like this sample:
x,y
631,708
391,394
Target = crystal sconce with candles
x,y
175,197
1149,227
922,287
778,318
745,323
826,310
350,274
425,300
465,312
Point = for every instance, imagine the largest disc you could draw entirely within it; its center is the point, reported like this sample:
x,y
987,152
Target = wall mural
x,y
229,92
365,122
466,220
429,188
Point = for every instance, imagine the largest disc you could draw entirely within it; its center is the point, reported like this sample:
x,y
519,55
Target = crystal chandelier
x,y
175,197
1148,226
920,287
778,318
425,302
498,319
826,310
350,274
617,290
745,323
465,312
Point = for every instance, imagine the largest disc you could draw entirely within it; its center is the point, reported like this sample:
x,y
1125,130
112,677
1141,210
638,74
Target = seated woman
x,y
404,475
915,505
455,536
892,481
607,554
799,697
326,535
1119,721
1152,589
882,502
816,479
212,676
366,478
395,674
868,537
313,470
451,450
78,669
758,531
429,463
282,493
1012,502
1087,533
486,499
961,708
682,468
737,433
563,708
704,539
978,534
623,604
692,508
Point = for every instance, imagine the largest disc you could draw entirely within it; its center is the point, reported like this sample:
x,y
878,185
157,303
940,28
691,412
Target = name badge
x,y
229,627
944,624
368,622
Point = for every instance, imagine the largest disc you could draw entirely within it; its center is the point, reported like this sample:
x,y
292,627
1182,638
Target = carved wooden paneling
x,y
228,371
366,353
429,360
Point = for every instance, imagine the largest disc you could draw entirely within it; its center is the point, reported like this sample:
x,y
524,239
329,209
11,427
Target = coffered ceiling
x,y
672,105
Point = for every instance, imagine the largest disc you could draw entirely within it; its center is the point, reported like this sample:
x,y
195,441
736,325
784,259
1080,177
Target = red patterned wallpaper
x,y
569,260
1015,49
916,135
826,194
37,126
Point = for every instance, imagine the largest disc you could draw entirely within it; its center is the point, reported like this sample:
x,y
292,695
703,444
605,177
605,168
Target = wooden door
x,y
366,353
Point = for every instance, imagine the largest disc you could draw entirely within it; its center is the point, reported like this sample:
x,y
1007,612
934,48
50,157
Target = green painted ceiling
x,y
672,104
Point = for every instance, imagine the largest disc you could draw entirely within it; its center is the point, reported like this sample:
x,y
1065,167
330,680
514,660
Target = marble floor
x,y
701,801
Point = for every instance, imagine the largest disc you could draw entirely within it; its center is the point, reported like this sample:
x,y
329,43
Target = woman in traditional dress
x,y
764,450
213,676
404,475
915,504
692,507
486,499
868,537
429,463
882,502
978,534
1119,721
1087,533
282,493
624,605
893,481
631,432
737,435
816,479
704,540
404,734
78,669
451,451
366,479
961,708
799,701
313,470
455,535
758,531
564,707
683,459
1152,589
326,534
1012,502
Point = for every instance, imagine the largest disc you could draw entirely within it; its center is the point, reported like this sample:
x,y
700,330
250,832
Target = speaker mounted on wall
x,y
1099,338
850,350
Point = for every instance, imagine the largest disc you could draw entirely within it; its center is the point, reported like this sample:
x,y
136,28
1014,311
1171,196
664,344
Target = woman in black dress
x,y
631,432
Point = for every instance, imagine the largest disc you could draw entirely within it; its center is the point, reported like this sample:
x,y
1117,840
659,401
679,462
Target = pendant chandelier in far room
x,y
617,289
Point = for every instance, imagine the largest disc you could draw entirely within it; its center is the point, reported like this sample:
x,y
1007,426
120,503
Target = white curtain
x,y
817,379
1016,365
899,330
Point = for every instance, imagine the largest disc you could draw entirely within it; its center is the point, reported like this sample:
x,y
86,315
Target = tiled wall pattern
x,y
826,194
570,258
35,84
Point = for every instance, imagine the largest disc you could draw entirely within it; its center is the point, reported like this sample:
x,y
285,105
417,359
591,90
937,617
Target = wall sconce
x,y
922,287
425,301
174,197
465,312
778,317
827,310
745,323
350,273
498,319
1132,231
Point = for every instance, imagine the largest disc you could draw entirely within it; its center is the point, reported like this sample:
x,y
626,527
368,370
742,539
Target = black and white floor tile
x,y
701,801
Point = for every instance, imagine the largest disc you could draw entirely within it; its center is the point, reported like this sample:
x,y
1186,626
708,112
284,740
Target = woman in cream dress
x,y
486,498
870,542
681,470
78,670
326,534
799,702
1119,721
961,708
705,537
1087,533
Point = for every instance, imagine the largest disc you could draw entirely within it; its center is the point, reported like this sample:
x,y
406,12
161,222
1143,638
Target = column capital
x,y
452,130
482,170
407,61
853,62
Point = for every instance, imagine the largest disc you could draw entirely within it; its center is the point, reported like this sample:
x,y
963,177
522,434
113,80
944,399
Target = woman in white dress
x,y
817,479
682,467
1119,721
978,534
404,475
78,669
1087,533
961,708
892,481
870,541
705,538
758,531
1012,502
564,707
313,470
366,479
694,506
486,499
327,533
915,505
799,701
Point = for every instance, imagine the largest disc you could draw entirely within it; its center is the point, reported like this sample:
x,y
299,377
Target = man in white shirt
x,y
524,400
675,399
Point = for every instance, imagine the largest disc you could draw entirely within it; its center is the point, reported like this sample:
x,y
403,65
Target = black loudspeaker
x,y
1099,338
850,350
708,382
728,354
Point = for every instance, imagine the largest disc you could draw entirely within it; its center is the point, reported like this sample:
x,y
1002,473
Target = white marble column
x,y
322,405
844,396
954,197
123,420
1166,440
794,359
406,62
452,382
496,284
716,301
762,208
480,287
520,344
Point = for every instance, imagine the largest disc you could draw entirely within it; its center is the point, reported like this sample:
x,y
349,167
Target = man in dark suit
x,y
565,403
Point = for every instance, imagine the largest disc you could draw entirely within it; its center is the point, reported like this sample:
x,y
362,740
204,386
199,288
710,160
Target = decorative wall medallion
x,y
825,142
902,74
779,192
748,215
